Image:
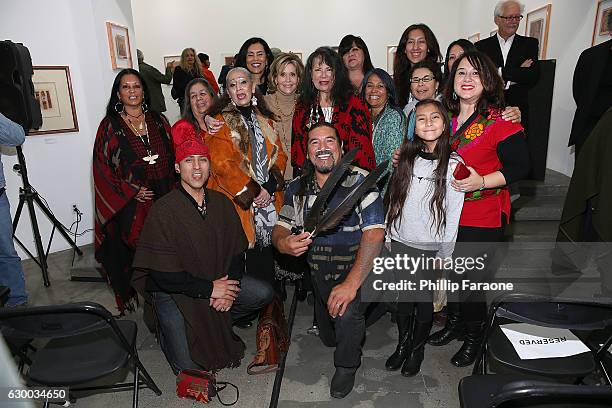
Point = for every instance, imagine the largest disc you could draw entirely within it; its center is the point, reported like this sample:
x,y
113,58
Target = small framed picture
x,y
176,59
537,26
119,46
53,90
228,58
391,50
493,32
298,53
601,32
474,38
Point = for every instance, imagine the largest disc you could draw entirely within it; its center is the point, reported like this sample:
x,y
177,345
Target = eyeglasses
x,y
508,18
426,78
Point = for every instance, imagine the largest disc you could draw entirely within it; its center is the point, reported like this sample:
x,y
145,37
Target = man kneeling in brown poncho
x,y
189,260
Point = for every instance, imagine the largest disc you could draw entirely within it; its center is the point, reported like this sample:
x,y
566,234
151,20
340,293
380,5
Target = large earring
x,y
144,108
117,109
454,96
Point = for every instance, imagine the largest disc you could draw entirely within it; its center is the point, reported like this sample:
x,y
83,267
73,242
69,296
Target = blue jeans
x,y
11,272
254,295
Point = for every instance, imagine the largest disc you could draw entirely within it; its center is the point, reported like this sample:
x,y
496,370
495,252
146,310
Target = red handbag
x,y
201,386
461,172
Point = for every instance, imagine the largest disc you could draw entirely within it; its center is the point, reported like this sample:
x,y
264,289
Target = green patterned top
x,y
388,133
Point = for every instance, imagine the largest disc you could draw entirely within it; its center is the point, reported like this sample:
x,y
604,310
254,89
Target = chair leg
x,y
135,396
143,371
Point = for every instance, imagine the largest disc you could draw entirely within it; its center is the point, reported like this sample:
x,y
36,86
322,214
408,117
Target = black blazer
x,y
587,77
522,48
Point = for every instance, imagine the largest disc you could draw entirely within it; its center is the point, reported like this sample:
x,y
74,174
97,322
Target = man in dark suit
x,y
592,89
515,56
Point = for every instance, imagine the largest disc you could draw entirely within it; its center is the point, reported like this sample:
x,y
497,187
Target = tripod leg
x,y
57,224
18,213
42,257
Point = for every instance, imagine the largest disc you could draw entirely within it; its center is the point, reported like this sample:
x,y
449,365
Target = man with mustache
x,y
339,260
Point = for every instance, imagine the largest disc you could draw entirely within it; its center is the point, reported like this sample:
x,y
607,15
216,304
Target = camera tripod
x,y
29,196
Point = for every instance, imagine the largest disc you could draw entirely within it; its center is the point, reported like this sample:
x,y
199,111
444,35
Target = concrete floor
x,y
309,365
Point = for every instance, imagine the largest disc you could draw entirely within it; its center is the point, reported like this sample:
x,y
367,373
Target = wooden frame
x,y
601,33
119,46
391,50
474,38
53,90
537,26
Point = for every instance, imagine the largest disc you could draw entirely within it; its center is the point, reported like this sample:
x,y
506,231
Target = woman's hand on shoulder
x,y
512,114
212,125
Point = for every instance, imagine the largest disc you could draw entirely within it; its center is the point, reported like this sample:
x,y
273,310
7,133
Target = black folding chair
x,y
84,342
586,318
511,391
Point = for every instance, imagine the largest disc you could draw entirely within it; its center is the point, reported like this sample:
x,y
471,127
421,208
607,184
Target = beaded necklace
x,y
151,157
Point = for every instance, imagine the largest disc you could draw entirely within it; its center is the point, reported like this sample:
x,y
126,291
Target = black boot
x,y
454,328
471,346
404,326
412,365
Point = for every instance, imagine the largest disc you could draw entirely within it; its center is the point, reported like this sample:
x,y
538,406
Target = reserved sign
x,y
532,342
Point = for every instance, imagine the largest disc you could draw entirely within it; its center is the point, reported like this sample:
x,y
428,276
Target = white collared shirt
x,y
505,46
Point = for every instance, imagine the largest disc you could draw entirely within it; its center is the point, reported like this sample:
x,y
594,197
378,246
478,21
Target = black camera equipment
x,y
17,102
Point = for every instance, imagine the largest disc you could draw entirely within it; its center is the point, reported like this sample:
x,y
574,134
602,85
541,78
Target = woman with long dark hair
x,y
496,154
327,96
416,44
255,55
422,219
389,123
133,165
356,58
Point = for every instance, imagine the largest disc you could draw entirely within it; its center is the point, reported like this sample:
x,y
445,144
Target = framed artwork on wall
x,y
537,26
171,58
298,53
493,32
119,46
227,58
391,50
601,33
474,37
53,90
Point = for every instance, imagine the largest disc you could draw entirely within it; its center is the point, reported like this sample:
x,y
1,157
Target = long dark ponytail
x,y
401,180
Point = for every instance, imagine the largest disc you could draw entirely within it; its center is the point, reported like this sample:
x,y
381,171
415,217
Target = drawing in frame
x,y
53,90
170,58
601,33
474,38
537,26
119,46
299,54
391,50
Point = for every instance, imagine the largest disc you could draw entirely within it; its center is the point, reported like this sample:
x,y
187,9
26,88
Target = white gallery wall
x,y
571,28
73,33
219,28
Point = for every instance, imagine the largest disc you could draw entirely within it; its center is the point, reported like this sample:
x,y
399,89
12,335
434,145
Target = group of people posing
x,y
197,216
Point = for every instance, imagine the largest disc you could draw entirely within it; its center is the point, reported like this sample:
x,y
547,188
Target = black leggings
x,y
473,305
424,305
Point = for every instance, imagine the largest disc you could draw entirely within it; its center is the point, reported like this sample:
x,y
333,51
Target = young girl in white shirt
x,y
422,221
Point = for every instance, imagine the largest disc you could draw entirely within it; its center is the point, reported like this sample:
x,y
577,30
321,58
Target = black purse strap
x,y
221,385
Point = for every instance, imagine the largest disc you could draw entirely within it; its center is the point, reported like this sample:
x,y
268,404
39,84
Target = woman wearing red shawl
x,y
327,95
133,165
